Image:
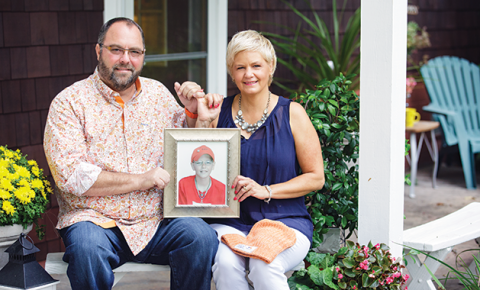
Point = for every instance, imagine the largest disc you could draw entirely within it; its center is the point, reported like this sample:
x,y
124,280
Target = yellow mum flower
x,y
37,183
24,194
36,171
3,171
8,154
8,207
6,184
32,162
22,171
24,183
13,176
4,194
4,163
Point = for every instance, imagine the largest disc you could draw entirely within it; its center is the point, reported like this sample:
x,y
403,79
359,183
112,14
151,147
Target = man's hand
x,y
157,177
207,106
188,93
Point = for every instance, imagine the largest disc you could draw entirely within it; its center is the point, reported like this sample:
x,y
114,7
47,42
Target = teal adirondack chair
x,y
453,85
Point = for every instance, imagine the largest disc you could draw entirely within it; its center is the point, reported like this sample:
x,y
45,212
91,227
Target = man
x,y
104,145
201,189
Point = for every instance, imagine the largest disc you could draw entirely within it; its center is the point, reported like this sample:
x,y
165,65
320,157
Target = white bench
x,y
437,238
55,265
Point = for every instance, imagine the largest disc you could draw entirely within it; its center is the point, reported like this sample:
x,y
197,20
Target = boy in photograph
x,y
201,188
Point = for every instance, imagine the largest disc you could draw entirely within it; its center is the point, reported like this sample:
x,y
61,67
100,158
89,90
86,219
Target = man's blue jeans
x,y
187,244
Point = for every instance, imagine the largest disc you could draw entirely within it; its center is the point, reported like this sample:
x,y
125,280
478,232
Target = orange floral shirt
x,y
85,134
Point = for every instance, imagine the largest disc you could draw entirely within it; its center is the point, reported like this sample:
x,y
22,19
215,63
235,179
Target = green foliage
x,y
333,110
470,280
308,53
353,267
319,274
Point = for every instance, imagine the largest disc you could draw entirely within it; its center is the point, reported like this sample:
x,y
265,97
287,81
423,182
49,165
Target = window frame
x,y
217,33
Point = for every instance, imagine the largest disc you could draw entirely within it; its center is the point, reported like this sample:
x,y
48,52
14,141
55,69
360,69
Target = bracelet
x,y
190,114
269,193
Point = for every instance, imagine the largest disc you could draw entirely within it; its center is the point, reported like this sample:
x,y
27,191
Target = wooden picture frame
x,y
183,147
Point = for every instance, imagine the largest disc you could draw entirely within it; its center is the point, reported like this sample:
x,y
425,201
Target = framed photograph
x,y
202,163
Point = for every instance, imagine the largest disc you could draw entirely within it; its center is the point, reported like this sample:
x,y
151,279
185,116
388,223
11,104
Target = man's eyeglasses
x,y
119,51
200,163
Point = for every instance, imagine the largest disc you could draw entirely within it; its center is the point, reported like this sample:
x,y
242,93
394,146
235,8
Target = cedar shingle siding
x,y
46,45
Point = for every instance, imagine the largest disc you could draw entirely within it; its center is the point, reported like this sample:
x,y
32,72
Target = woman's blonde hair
x,y
251,40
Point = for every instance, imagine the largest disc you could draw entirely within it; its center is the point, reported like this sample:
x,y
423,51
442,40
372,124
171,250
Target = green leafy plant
x,y
315,53
333,110
320,273
24,190
370,267
469,279
352,267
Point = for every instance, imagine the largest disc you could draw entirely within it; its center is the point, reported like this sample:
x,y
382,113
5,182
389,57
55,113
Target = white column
x,y
382,122
217,46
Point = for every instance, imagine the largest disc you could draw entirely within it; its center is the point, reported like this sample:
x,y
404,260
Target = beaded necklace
x,y
251,128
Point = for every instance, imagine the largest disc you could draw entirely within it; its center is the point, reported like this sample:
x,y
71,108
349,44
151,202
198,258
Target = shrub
x,y
333,110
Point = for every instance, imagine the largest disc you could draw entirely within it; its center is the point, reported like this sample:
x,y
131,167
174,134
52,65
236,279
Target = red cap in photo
x,y
198,152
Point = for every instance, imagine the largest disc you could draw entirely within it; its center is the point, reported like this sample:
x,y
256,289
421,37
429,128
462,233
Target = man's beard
x,y
112,80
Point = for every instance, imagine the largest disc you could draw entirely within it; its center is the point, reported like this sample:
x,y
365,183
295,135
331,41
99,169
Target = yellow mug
x,y
412,116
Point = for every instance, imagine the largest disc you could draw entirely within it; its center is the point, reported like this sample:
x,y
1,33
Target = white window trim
x,y
217,46
216,43
118,8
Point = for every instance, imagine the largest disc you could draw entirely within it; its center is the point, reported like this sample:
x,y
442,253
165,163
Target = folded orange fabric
x,y
265,241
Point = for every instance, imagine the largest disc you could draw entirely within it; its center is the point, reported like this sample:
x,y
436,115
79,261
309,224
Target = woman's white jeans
x,y
229,268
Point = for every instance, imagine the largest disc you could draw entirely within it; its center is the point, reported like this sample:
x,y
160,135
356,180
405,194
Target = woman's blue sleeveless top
x,y
268,157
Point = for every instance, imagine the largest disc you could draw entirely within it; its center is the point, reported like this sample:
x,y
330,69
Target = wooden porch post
x,y
382,122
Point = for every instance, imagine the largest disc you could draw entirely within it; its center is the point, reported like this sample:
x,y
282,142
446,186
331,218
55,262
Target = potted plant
x,y
24,193
333,110
352,267
315,52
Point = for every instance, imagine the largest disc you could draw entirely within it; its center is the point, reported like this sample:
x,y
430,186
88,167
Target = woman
x,y
281,143
201,189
